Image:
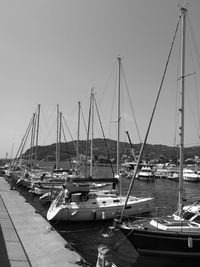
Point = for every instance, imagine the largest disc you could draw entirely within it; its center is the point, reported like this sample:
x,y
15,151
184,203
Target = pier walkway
x,y
26,238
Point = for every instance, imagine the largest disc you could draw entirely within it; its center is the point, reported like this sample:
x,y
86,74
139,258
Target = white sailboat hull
x,y
100,211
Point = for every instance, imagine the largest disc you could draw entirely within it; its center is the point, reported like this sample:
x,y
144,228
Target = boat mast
x,y
118,123
180,196
32,141
78,135
119,115
57,139
37,132
92,132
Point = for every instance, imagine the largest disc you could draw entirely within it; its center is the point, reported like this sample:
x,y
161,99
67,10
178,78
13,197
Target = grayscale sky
x,y
54,51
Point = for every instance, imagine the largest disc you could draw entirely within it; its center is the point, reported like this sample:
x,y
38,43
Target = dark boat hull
x,y
163,244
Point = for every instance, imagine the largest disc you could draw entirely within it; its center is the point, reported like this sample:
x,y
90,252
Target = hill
x,y
106,149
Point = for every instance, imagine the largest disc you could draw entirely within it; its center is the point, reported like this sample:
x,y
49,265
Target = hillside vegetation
x,y
104,150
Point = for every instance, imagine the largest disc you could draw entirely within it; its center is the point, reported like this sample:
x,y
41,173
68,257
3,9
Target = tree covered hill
x,y
106,149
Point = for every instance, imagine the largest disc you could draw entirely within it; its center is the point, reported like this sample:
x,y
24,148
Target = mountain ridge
x,y
104,149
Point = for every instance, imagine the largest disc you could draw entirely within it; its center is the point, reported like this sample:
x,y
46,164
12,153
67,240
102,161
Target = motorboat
x,y
146,174
190,175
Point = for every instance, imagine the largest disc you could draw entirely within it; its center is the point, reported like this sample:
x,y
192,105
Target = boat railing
x,y
156,212
162,211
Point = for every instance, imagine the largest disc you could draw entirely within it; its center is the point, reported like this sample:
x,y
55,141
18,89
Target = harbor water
x,y
85,237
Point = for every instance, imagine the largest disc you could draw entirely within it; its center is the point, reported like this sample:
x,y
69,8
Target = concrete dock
x,y
26,238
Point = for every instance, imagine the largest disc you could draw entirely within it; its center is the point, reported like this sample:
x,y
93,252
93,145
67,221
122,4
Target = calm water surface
x,y
85,237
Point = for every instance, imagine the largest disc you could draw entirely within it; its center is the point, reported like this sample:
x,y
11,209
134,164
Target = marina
x,y
77,193
85,237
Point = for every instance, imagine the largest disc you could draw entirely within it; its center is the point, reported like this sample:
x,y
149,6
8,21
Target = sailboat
x,y
94,205
173,235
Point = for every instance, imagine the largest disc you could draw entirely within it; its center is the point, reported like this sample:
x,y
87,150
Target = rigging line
x,y
195,78
26,136
151,119
63,132
102,131
177,93
92,136
84,123
119,244
103,136
91,143
74,144
23,140
37,129
198,62
113,101
107,83
133,113
196,98
33,142
32,138
88,130
123,114
176,116
36,111
193,39
46,125
186,75
68,129
193,117
85,127
51,130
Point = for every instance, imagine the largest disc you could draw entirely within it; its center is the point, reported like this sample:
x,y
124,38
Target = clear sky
x,y
54,51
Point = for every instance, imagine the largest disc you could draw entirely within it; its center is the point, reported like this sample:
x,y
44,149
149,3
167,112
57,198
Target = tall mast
x,y
92,130
59,127
32,140
37,133
57,138
118,122
119,115
78,135
180,196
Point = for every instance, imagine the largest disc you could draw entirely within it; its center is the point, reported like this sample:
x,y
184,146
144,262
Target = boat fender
x,y
190,242
103,215
74,213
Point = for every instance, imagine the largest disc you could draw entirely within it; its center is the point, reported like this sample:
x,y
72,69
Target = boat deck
x,y
166,226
